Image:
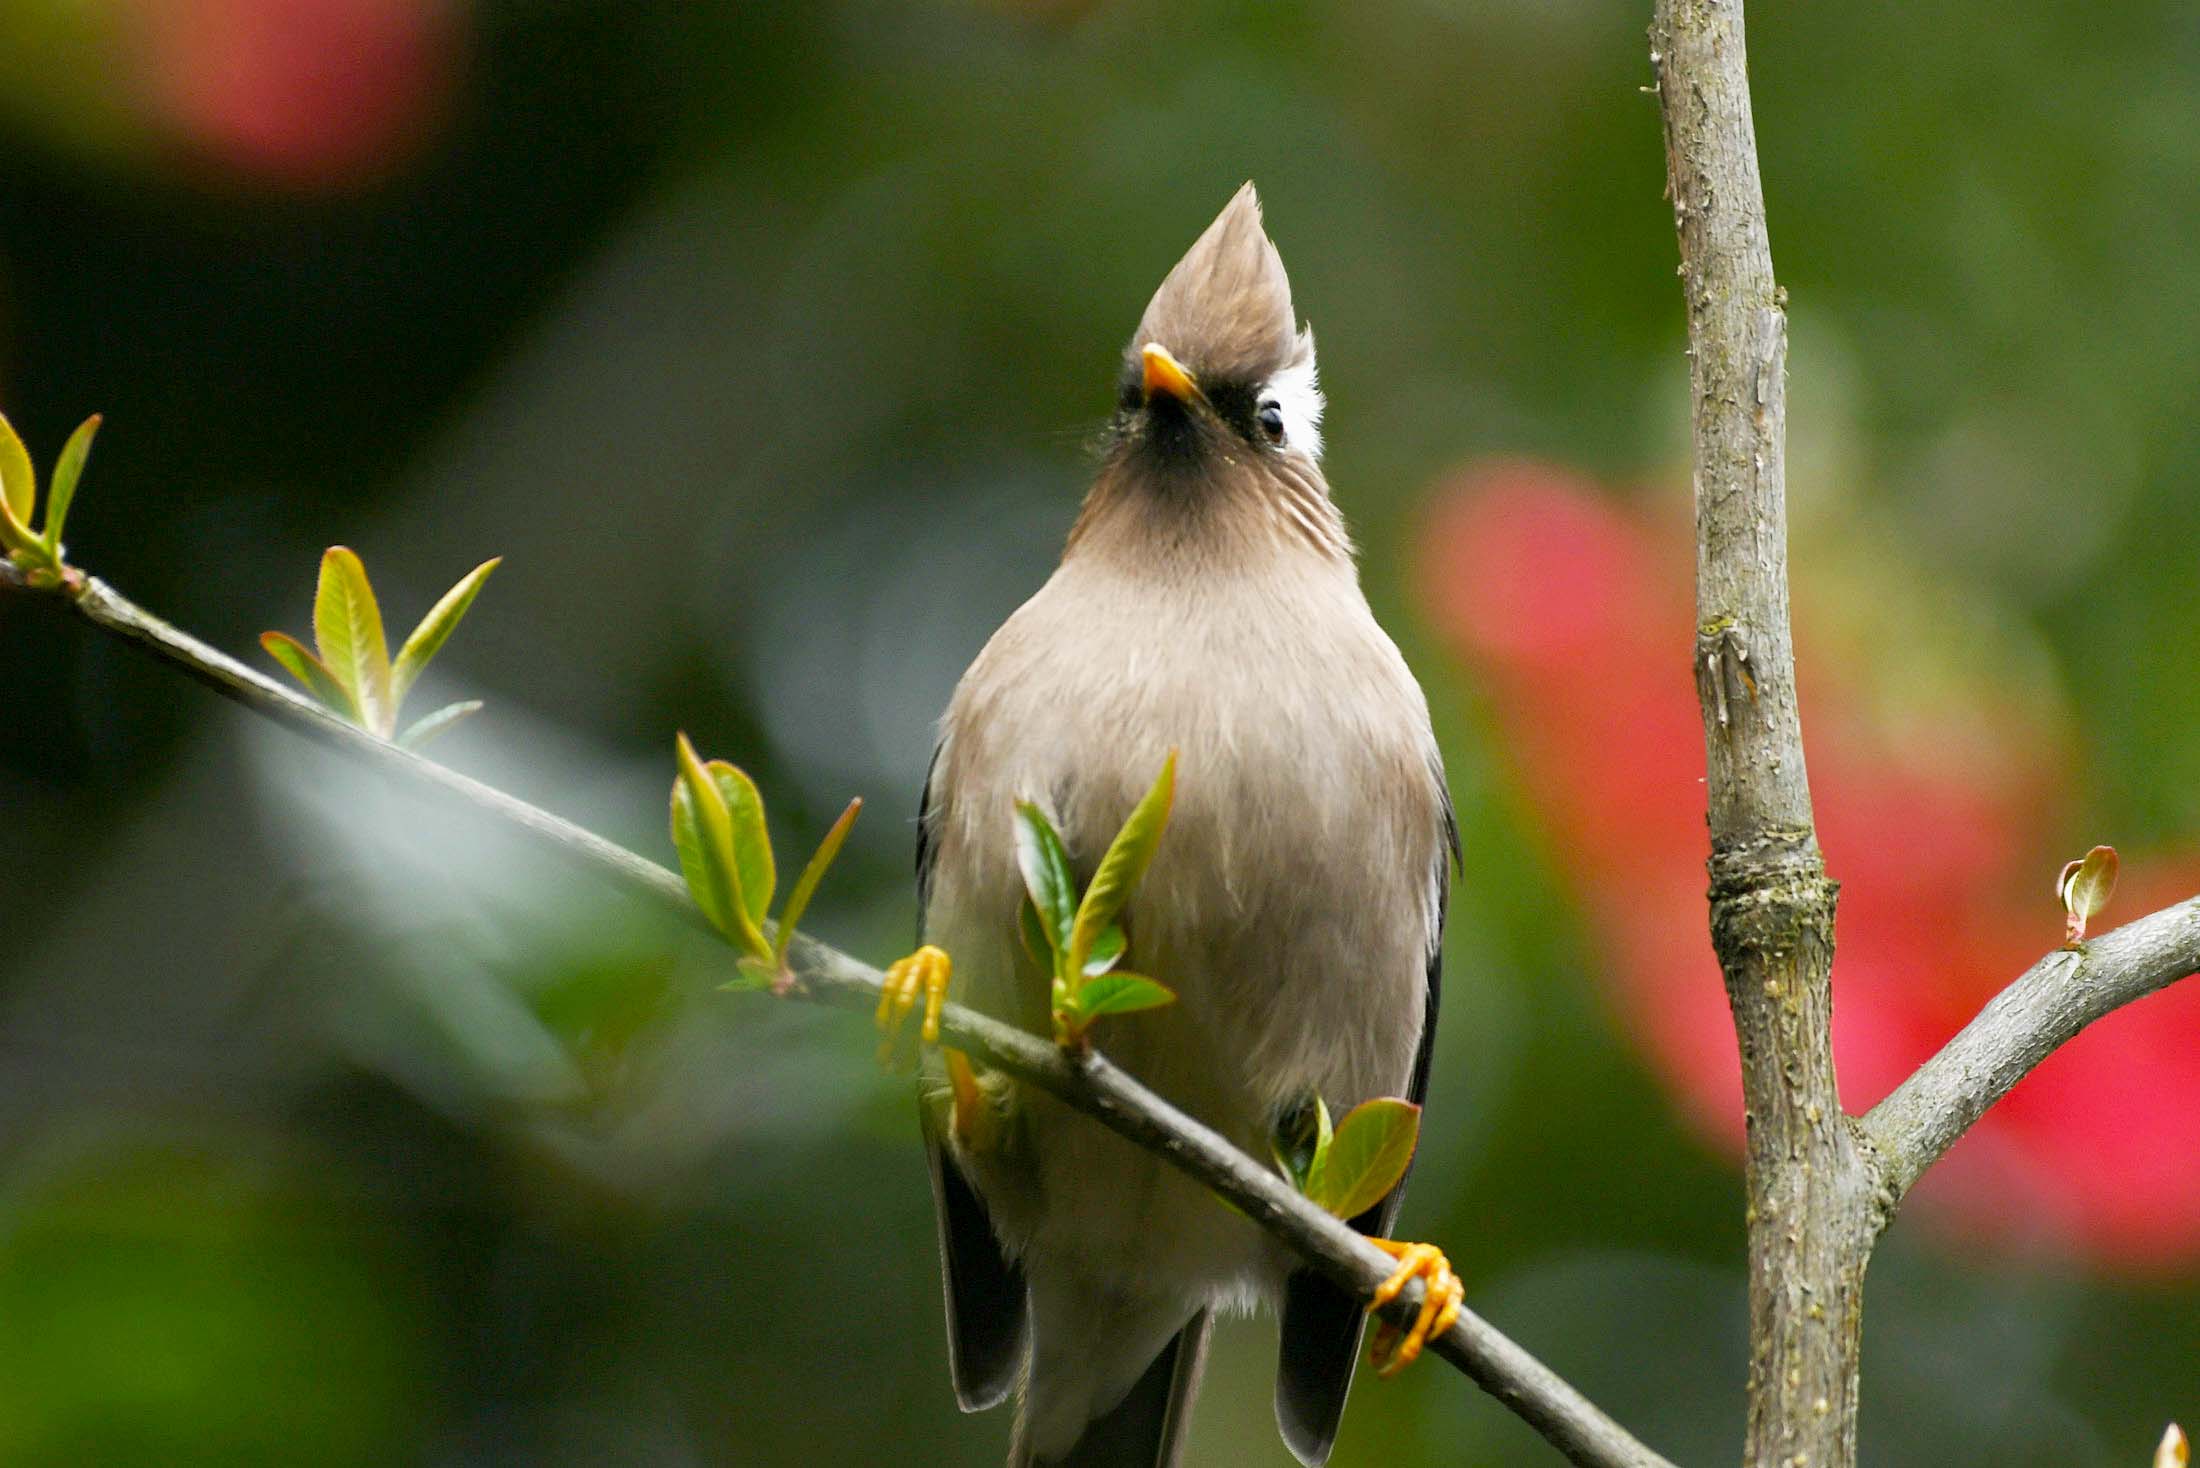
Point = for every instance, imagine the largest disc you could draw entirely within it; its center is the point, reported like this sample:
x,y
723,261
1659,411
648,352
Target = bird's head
x,y
1219,375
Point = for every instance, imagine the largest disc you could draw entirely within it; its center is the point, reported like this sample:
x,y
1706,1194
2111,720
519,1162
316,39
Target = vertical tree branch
x,y
1809,1192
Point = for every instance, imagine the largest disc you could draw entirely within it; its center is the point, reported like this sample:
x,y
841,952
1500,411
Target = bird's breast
x,y
1289,901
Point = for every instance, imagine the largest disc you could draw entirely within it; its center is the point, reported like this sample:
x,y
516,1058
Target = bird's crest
x,y
1226,307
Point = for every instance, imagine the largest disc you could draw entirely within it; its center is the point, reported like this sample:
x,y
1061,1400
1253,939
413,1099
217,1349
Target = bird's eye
x,y
1271,420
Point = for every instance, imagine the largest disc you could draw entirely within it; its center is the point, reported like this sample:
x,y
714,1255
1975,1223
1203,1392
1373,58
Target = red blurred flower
x,y
302,93
1576,612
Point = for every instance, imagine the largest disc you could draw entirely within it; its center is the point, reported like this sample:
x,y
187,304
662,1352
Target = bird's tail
x,y
1146,1429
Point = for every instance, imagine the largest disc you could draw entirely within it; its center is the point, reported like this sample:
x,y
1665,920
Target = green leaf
x,y
312,672
438,723
347,627
1118,994
707,850
1107,950
66,470
2085,887
1034,934
18,481
798,901
436,628
1126,861
1300,1139
1370,1151
23,547
752,842
695,858
1045,866
754,974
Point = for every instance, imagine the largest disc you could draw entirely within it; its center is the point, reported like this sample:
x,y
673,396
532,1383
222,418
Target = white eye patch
x,y
1296,390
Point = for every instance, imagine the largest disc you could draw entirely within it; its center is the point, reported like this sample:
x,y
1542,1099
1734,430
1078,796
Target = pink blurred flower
x,y
1575,612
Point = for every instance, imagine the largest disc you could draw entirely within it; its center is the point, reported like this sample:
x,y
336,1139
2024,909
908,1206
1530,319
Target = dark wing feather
x,y
1319,1341
1149,1427
984,1289
928,849
1447,861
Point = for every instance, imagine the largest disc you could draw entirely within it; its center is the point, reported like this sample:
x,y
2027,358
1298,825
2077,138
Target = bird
x,y
1207,606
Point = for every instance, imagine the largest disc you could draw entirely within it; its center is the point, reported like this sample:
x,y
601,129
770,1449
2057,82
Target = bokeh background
x,y
765,342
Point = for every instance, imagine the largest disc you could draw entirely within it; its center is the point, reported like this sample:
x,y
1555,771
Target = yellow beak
x,y
1165,374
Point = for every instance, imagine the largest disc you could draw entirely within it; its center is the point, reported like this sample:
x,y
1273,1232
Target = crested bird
x,y
1207,602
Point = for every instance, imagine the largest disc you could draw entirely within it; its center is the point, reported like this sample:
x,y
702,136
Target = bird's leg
x,y
923,972
1394,1350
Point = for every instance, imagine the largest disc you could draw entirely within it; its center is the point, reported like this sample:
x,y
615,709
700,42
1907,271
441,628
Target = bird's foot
x,y
976,1110
1442,1298
924,972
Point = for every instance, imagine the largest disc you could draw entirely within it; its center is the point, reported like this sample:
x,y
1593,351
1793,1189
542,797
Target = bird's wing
x,y
928,849
984,1289
1447,862
1319,1341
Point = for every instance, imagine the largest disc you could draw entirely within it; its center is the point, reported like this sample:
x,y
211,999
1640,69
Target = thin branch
x,y
1090,1083
2023,1024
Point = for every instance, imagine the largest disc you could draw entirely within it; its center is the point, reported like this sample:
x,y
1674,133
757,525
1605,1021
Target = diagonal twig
x,y
1090,1082
2020,1027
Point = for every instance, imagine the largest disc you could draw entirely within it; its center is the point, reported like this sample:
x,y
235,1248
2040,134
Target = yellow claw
x,y
925,972
1442,1299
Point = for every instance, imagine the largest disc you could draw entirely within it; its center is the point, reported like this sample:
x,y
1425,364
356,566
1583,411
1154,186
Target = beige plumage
x,y
1208,602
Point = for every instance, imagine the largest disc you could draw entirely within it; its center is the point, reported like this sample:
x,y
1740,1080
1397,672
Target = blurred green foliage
x,y
763,341
200,1298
